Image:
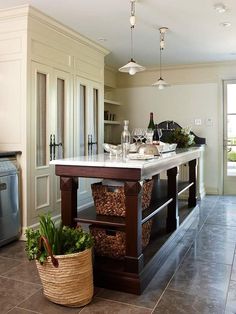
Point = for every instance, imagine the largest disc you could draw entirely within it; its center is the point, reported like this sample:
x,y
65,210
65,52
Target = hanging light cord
x,y
132,23
160,62
132,8
132,43
162,46
132,67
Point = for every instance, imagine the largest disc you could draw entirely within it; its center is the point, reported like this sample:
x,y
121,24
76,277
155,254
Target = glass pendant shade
x,y
160,83
132,67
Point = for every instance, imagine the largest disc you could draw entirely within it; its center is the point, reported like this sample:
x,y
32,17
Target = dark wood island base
x,y
133,273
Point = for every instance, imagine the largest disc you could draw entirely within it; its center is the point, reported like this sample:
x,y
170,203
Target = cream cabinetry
x,y
52,93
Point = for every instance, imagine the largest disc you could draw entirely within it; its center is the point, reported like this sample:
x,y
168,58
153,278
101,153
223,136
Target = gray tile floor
x,y
198,277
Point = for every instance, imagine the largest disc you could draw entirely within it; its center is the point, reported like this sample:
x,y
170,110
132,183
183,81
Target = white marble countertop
x,y
105,160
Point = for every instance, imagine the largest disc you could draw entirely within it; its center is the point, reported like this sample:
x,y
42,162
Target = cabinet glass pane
x,y
60,116
41,120
81,119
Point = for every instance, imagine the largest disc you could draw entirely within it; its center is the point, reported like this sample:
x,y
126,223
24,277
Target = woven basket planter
x,y
71,283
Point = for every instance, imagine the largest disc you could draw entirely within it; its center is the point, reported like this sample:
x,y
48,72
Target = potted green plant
x,y
64,261
182,137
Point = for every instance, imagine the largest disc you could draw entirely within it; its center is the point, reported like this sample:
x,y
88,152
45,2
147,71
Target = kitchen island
x,y
133,273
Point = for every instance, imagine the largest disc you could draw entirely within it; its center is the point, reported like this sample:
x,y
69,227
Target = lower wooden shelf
x,y
108,271
182,187
89,216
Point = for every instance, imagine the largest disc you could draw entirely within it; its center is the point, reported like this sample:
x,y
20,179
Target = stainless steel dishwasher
x,y
9,201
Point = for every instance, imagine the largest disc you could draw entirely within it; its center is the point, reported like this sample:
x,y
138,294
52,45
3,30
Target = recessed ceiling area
x,y
196,32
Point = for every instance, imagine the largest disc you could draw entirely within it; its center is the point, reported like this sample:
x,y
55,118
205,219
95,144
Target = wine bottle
x,y
155,138
151,124
125,140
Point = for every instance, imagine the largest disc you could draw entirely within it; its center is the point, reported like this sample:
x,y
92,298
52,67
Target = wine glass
x,y
159,132
142,134
135,135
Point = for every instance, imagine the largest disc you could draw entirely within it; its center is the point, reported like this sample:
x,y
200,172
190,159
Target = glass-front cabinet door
x,y
66,120
87,128
51,134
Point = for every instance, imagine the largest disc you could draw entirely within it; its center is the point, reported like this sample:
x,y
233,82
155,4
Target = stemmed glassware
x,y
138,134
159,132
135,134
142,133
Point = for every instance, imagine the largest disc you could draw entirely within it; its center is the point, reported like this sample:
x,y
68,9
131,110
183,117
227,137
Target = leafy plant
x,y
62,240
182,137
232,156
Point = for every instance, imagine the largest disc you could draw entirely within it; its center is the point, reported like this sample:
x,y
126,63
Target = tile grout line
x,y
11,269
29,296
21,308
227,292
222,225
22,281
182,260
123,303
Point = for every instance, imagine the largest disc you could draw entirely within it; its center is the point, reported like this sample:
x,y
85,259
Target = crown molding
x,y
13,12
29,11
110,68
181,66
67,31
193,65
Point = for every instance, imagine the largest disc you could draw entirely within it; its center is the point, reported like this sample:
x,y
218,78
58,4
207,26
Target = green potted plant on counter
x,y
182,137
64,261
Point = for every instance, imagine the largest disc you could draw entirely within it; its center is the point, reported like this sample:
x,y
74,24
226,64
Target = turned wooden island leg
x,y
192,200
134,256
68,186
172,221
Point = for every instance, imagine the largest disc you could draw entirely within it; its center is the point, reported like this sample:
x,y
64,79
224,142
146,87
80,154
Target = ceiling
x,y
194,36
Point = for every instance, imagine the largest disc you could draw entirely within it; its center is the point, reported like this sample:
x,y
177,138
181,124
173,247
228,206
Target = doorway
x,y
229,92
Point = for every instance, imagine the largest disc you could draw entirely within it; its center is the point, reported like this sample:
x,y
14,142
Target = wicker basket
x,y
71,283
112,243
111,200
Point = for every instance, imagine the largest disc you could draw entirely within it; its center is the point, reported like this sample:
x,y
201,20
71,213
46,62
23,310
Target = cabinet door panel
x,y
51,118
87,128
41,199
63,125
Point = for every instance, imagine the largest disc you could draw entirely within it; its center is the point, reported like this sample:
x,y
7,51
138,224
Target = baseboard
x,y
56,219
212,191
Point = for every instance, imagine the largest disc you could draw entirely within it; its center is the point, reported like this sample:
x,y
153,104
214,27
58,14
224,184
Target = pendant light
x,y
132,67
161,83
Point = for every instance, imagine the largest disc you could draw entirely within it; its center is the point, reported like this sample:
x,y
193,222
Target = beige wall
x,y
195,93
181,103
